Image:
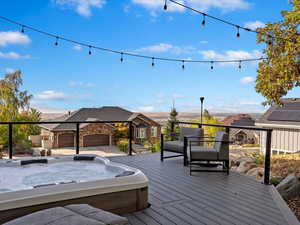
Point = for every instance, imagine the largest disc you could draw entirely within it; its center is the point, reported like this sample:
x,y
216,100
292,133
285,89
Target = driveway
x,y
106,151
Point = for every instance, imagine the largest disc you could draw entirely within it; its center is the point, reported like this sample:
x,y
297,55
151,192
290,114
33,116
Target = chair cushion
x,y
176,146
222,147
54,216
203,153
97,214
188,131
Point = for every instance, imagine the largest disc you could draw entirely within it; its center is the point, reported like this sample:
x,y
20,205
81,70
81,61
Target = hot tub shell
x,y
118,195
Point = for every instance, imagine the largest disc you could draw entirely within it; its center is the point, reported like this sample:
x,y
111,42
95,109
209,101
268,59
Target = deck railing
x,y
227,129
77,130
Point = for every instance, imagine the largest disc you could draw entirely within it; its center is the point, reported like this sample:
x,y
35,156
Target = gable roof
x,y
105,113
239,120
287,114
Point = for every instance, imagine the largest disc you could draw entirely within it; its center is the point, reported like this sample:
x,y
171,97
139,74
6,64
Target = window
x,y
153,131
141,132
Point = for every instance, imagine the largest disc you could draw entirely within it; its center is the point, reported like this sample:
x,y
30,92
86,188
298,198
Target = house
x,y
285,122
239,136
93,134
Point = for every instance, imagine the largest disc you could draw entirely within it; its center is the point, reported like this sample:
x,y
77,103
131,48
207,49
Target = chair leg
x,y
227,166
161,154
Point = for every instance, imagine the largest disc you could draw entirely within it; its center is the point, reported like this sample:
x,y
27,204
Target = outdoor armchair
x,y
180,146
219,152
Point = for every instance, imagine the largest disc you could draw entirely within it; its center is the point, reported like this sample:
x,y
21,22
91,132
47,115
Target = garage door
x,y
95,140
65,140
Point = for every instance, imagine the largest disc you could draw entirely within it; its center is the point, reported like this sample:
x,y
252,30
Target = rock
x,y
36,153
245,166
257,172
289,187
43,152
244,159
48,152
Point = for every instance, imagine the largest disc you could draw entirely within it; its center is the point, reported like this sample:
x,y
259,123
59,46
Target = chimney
x,y
69,113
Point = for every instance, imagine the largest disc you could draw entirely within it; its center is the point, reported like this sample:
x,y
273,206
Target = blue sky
x,y
65,77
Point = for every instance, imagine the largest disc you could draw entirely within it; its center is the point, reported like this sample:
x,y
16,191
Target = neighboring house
x,y
63,135
285,122
240,136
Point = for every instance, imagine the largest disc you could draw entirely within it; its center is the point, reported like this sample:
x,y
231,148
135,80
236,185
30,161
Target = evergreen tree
x,y
172,119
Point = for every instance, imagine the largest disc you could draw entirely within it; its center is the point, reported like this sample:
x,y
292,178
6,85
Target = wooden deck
x,y
204,198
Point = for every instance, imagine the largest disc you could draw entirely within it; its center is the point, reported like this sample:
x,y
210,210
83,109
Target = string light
x,y
22,30
82,44
238,32
211,65
121,59
56,41
152,64
240,65
203,20
216,18
165,6
90,51
183,67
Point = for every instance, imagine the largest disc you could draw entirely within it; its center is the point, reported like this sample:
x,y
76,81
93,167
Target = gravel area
x,y
294,205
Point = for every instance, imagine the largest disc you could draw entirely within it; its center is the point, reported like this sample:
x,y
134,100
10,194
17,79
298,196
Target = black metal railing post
x,y
130,137
10,140
268,157
77,138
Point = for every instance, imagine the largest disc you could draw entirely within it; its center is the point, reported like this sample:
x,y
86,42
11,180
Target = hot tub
x,y
32,184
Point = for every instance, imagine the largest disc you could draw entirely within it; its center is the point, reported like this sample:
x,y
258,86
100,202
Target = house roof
x,y
287,114
239,120
106,113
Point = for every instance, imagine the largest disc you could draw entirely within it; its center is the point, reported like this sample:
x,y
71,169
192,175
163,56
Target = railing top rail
x,y
64,122
226,126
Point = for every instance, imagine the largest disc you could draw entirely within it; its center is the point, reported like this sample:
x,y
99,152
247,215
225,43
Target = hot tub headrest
x,y
125,173
84,158
31,161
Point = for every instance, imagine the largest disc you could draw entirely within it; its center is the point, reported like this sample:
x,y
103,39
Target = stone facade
x,y
96,129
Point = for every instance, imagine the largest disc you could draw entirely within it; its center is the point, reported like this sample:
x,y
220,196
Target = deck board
x,y
204,198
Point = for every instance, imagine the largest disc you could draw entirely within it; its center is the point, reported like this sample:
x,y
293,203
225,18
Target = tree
x,y
15,106
208,118
280,72
172,119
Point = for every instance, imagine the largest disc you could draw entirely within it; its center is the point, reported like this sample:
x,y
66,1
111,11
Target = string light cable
x,y
205,15
91,47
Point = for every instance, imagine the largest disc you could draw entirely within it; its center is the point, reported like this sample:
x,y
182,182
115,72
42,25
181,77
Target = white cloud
x,y
13,37
51,95
81,84
164,48
247,80
77,47
204,5
82,7
13,55
10,70
230,55
254,25
203,42
177,96
148,108
158,5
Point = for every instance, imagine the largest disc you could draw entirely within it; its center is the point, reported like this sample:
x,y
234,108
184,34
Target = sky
x,y
65,77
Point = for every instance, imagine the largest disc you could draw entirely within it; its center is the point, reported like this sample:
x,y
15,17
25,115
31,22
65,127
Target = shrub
x,y
257,157
152,147
123,146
